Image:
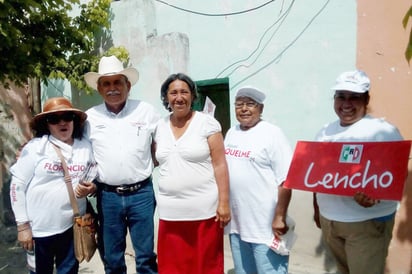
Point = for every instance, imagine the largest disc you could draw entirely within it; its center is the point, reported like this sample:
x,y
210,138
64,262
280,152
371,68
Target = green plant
x,y
408,51
41,39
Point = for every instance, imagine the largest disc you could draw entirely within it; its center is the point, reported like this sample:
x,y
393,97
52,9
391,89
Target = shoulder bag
x,y
84,227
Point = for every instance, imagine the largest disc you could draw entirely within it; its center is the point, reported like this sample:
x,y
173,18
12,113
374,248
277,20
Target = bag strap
x,y
68,182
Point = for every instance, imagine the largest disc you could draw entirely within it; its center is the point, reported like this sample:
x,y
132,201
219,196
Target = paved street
x,y
308,255
300,263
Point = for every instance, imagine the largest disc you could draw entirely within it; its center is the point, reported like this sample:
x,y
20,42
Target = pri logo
x,y
351,154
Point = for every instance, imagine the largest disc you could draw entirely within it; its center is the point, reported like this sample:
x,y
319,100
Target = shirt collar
x,y
122,113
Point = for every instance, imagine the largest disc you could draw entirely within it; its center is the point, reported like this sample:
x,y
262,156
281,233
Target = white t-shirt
x,y
38,191
344,208
187,185
258,161
122,142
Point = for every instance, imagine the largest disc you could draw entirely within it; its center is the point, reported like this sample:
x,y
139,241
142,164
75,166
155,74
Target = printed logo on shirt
x,y
351,154
51,167
13,194
238,152
139,126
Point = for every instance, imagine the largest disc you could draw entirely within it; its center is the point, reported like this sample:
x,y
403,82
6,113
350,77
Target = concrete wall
x,y
290,49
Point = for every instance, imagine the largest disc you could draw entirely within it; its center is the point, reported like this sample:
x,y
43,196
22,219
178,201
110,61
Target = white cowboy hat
x,y
110,66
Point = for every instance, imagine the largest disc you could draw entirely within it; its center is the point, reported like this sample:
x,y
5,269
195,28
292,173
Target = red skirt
x,y
194,247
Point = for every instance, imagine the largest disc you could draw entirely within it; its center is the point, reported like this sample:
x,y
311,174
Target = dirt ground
x,y
12,256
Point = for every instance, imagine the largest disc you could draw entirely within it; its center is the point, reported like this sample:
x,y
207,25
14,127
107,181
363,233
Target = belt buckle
x,y
121,189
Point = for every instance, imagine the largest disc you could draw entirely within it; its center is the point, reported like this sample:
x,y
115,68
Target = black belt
x,y
124,189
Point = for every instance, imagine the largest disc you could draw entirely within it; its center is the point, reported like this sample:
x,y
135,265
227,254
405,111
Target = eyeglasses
x,y
54,119
249,104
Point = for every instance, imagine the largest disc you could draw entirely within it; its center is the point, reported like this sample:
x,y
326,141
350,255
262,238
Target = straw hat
x,y
56,104
110,66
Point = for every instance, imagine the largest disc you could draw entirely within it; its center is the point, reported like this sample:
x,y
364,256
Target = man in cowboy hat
x,y
120,130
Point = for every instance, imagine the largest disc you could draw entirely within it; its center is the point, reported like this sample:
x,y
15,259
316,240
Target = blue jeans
x,y
251,258
119,212
56,249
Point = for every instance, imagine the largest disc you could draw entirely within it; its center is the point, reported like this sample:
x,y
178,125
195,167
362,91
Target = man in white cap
x,y
121,130
258,156
356,229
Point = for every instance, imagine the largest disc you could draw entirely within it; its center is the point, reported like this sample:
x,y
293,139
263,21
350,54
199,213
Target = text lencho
x,y
357,180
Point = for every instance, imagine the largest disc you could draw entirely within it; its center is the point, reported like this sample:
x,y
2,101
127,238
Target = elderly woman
x,y
38,191
193,200
258,156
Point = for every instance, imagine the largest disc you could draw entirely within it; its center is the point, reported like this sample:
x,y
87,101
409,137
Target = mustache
x,y
113,92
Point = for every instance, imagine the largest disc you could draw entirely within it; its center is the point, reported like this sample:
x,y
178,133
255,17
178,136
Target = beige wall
x,y
381,45
15,115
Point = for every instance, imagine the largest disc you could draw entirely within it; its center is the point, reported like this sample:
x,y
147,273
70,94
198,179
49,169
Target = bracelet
x,y
20,230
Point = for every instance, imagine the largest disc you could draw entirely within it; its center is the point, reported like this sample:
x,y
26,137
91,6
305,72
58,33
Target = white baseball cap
x,y
355,81
251,92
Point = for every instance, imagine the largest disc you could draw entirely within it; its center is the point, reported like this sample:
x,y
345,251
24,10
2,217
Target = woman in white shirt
x,y
38,191
356,229
193,200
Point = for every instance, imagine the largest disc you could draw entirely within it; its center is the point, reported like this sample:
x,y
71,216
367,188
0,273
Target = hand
x,y
364,200
279,226
84,188
223,214
25,236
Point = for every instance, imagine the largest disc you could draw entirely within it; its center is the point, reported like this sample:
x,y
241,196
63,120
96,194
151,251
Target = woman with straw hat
x,y
38,191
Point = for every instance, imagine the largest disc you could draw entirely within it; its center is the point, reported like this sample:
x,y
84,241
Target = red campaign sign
x,y
379,169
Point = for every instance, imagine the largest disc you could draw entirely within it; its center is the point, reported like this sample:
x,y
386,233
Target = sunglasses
x,y
54,119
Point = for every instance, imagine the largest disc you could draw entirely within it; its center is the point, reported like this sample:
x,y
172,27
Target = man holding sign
x,y
357,228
